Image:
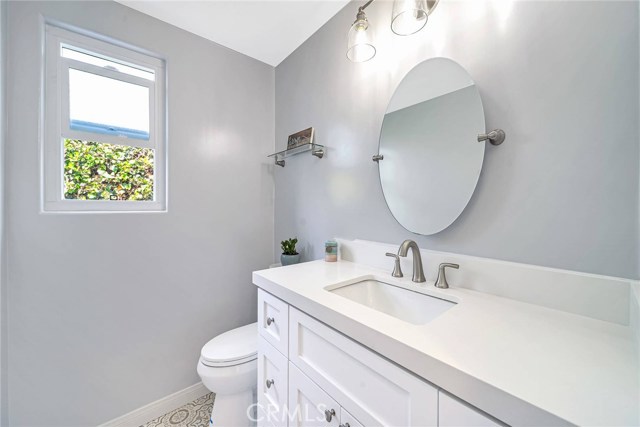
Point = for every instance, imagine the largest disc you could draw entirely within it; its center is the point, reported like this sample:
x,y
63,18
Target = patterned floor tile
x,y
193,414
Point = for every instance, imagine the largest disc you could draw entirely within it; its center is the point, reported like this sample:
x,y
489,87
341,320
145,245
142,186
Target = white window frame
x,y
57,124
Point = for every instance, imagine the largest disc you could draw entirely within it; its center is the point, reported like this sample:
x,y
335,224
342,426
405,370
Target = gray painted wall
x,y
3,252
108,312
561,78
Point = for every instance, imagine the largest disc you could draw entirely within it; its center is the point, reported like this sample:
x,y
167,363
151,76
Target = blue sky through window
x,y
108,106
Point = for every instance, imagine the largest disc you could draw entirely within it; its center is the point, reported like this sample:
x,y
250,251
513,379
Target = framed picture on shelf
x,y
300,138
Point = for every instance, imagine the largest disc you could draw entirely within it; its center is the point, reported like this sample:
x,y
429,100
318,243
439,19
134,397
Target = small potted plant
x,y
289,254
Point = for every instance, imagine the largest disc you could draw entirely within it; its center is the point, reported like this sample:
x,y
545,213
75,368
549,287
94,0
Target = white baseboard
x,y
635,313
158,408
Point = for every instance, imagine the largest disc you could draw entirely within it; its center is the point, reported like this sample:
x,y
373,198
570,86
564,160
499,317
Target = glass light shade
x,y
360,47
408,16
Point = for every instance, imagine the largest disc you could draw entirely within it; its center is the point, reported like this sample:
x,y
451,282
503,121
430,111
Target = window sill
x,y
102,206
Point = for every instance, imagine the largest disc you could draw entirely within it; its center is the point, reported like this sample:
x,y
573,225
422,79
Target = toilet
x,y
228,367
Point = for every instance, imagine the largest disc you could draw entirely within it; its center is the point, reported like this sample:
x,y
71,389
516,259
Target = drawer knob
x,y
270,383
345,425
270,320
329,414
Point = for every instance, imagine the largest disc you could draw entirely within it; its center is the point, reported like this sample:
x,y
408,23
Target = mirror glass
x,y
432,159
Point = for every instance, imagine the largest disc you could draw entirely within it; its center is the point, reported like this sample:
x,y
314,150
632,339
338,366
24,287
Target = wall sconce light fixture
x,y
408,17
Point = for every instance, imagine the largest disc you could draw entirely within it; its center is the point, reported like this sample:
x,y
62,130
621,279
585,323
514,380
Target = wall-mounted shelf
x,y
316,150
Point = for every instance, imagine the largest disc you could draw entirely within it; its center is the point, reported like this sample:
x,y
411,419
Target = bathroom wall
x,y
561,78
108,312
3,270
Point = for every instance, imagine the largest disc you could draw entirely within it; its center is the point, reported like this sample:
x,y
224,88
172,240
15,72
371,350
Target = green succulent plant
x,y
289,246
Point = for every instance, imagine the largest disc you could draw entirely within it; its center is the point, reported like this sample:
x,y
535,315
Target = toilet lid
x,y
233,347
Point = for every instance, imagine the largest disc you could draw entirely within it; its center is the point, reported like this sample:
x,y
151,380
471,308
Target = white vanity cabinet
x,y
323,378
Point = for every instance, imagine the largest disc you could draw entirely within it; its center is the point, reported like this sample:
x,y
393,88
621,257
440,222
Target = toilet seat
x,y
231,348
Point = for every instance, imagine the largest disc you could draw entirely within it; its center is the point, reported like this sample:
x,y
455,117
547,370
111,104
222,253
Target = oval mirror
x,y
432,159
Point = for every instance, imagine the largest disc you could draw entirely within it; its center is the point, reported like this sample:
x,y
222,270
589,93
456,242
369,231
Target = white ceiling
x,y
267,30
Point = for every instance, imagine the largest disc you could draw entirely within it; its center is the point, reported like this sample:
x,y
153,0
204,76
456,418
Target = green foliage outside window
x,y
97,171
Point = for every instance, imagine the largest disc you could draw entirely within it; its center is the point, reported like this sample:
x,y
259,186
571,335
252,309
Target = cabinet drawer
x,y
273,321
455,413
273,380
311,405
376,391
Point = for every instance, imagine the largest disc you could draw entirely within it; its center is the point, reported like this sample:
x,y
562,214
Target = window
x,y
103,145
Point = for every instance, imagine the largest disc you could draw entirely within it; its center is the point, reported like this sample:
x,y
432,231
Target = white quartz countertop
x,y
521,363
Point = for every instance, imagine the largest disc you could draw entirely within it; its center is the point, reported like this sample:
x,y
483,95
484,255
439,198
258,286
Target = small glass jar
x,y
331,251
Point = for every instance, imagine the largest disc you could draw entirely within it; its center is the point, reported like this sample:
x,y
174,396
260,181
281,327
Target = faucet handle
x,y
441,281
397,271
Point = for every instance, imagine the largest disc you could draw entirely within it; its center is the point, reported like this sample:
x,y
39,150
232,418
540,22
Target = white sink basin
x,y
404,304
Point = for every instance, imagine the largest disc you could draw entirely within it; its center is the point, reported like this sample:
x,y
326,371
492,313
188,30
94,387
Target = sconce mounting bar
x,y
364,6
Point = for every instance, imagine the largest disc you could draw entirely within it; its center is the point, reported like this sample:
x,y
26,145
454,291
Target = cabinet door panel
x,y
308,403
272,386
376,391
455,413
273,321
348,420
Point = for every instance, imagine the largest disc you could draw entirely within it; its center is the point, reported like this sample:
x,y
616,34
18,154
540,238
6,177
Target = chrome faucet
x,y
418,273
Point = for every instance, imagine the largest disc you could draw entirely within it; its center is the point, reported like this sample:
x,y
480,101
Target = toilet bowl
x,y
228,367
